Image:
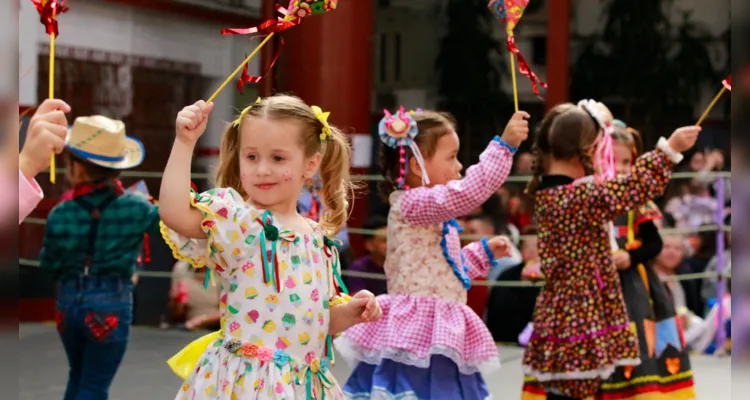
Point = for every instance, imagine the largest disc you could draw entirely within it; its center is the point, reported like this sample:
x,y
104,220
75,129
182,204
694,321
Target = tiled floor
x,y
144,374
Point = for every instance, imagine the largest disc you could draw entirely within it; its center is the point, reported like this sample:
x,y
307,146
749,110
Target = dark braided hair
x,y
541,148
432,125
586,161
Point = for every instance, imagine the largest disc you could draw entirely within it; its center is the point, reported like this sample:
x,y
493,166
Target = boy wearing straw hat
x,y
91,243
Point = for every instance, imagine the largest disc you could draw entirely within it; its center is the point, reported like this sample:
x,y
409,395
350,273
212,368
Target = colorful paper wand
x,y
509,12
726,84
293,15
48,12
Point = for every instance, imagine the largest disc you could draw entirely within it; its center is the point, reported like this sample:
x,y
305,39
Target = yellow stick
x,y
513,74
52,96
237,71
711,105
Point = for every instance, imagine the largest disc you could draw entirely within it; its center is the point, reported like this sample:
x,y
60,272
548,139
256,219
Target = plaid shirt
x,y
119,239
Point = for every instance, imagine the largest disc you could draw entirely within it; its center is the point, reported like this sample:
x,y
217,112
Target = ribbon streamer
x,y
523,67
293,16
265,29
245,76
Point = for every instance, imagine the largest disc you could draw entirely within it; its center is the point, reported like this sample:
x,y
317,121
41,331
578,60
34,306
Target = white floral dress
x,y
275,291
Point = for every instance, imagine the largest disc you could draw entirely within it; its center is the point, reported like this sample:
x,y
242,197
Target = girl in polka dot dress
x,y
581,327
281,291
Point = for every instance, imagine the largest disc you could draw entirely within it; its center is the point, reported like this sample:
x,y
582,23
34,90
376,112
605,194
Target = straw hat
x,y
102,141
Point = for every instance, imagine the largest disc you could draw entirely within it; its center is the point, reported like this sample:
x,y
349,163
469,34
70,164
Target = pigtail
x,y
228,171
586,161
389,169
334,174
637,141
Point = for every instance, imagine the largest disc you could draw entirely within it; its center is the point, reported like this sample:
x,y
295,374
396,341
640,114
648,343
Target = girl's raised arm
x,y
175,209
440,203
647,179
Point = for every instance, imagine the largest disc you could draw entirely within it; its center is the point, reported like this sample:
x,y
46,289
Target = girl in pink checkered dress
x,y
429,344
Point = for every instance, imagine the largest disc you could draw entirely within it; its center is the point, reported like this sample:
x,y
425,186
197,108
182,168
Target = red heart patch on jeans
x,y
101,326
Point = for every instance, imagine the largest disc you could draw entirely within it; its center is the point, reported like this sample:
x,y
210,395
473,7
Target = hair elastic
x,y
243,114
399,131
323,118
606,161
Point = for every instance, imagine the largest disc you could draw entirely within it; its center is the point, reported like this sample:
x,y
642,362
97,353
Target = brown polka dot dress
x,y
581,326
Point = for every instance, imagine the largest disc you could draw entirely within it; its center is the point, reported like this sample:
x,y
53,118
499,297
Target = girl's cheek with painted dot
x,y
287,175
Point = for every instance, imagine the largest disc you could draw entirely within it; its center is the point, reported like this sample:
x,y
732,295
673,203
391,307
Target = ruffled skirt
x,y
414,328
421,346
391,380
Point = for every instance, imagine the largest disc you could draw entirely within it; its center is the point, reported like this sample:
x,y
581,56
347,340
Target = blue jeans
x,y
93,318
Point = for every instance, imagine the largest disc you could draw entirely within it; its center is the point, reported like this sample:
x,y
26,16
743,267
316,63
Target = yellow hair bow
x,y
323,118
243,114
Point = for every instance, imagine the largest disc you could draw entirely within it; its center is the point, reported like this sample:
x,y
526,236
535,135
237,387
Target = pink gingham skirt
x,y
413,328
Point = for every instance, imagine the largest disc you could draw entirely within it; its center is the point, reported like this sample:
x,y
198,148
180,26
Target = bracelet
x,y
343,298
675,156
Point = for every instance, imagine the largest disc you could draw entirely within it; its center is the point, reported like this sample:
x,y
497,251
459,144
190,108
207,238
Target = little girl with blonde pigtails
x,y
429,344
282,296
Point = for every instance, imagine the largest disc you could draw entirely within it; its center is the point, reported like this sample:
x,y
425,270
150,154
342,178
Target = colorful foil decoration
x,y
509,12
726,84
399,131
289,17
48,12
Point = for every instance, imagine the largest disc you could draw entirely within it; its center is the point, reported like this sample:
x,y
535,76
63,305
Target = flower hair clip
x,y
606,161
399,131
243,114
323,118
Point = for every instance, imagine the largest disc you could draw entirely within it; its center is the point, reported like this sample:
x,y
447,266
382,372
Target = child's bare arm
x,y
174,197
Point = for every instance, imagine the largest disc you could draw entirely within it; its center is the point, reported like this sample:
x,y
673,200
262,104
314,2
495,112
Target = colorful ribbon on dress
x,y
336,285
318,369
272,234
